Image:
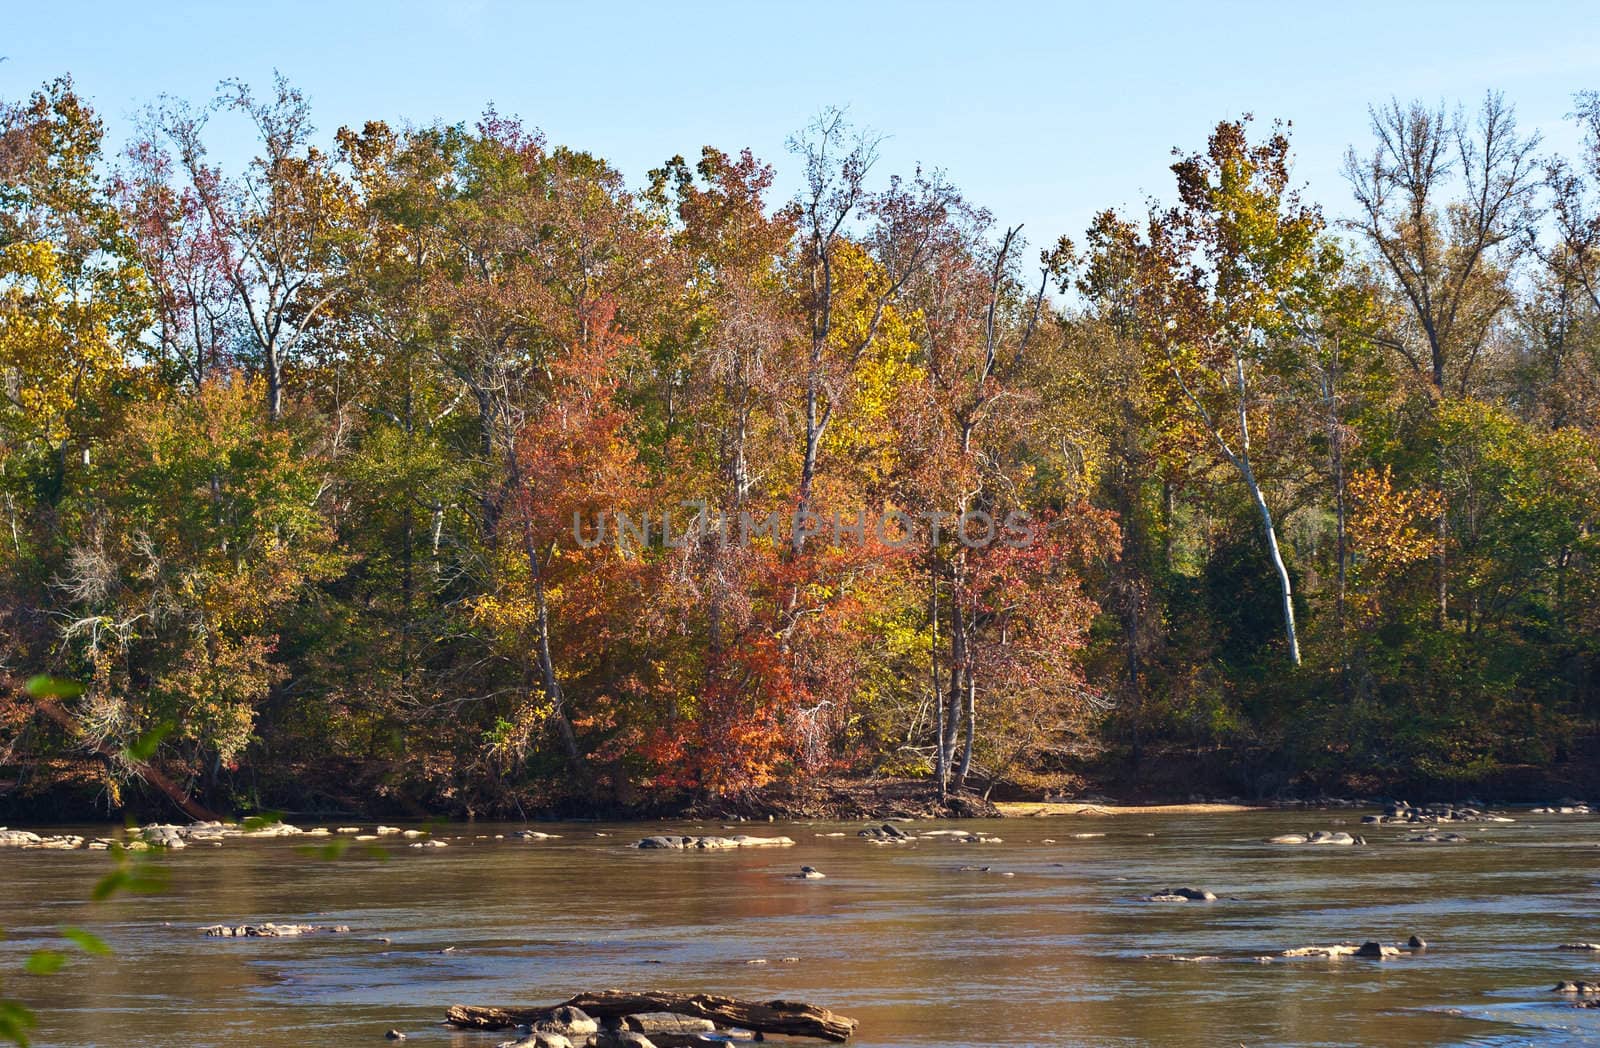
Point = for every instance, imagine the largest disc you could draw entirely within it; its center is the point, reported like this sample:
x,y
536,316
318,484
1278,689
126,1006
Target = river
x,y
900,937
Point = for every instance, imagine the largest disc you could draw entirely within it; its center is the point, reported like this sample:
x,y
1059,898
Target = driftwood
x,y
795,1018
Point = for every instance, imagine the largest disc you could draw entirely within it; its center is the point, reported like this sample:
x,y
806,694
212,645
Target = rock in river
x,y
888,833
1181,895
1575,986
1318,837
540,1039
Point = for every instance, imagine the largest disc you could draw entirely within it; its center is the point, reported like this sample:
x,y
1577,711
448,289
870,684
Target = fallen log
x,y
794,1018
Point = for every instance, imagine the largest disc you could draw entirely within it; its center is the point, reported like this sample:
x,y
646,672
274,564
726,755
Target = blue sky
x,y
1045,113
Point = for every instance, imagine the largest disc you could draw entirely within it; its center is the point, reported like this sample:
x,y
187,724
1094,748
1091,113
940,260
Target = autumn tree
x,y
1227,276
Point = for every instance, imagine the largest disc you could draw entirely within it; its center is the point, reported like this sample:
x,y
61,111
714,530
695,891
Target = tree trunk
x,y
958,669
1284,586
274,370
940,766
972,725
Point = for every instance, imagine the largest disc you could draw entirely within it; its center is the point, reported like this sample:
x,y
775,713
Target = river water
x,y
919,950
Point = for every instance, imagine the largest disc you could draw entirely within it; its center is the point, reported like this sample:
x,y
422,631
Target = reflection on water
x,y
900,937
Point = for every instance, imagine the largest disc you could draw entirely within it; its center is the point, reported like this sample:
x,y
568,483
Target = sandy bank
x,y
1014,809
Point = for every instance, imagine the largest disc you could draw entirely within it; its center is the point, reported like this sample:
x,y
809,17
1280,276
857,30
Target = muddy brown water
x,y
900,937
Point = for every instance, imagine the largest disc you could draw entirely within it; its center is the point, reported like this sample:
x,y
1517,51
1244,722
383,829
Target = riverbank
x,y
351,791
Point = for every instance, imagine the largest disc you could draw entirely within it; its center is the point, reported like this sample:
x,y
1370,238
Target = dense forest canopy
x,y
437,466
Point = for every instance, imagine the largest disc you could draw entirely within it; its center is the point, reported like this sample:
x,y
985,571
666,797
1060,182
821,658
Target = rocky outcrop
x,y
1401,812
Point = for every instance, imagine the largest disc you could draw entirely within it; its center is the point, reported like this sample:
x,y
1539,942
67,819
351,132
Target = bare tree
x,y
908,217
280,218
1446,203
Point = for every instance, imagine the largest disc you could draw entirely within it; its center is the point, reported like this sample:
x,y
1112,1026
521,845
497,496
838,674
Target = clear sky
x,y
1045,113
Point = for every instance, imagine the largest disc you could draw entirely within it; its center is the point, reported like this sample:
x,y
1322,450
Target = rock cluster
x,y
1369,949
888,833
173,837
1317,837
28,839
1400,811
1565,806
269,930
569,1027
1575,986
685,843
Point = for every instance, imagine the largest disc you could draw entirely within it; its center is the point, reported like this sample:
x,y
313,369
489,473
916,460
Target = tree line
x,y
297,460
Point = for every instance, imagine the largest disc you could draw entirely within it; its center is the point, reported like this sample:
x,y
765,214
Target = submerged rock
x,y
809,873
1336,950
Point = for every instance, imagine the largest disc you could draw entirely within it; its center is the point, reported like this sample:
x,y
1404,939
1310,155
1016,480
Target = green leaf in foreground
x,y
88,942
43,687
145,746
44,962
15,1022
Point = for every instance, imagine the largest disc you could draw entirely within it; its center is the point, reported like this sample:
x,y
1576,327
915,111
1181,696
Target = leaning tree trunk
x,y
1285,589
